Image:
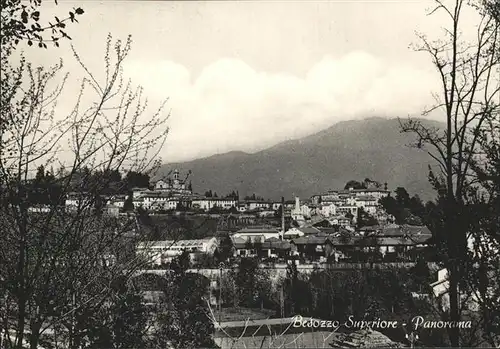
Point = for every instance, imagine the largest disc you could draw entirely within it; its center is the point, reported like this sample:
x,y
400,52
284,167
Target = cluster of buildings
x,y
173,193
308,244
339,207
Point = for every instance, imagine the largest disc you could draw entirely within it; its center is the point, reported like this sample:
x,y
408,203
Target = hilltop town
x,y
330,226
241,175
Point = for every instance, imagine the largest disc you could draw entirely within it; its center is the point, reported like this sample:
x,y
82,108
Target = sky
x,y
245,75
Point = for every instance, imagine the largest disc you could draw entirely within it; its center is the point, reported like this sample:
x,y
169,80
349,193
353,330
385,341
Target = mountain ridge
x,y
355,149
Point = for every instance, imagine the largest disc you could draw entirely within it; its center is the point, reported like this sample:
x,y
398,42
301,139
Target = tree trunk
x,y
35,334
21,282
455,232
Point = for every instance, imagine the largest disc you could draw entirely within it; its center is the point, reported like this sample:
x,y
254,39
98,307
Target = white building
x,y
256,205
77,200
276,205
117,200
368,203
301,231
160,252
257,234
328,209
343,210
348,197
206,204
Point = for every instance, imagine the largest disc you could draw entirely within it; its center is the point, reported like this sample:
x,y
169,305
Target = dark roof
x,y
380,241
309,230
276,243
257,230
370,228
362,241
397,230
403,230
240,243
311,240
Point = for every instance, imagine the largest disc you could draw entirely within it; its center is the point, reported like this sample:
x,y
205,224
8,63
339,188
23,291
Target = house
x,y
117,200
328,209
112,210
139,202
256,205
242,207
334,221
376,193
276,205
312,247
395,246
368,203
276,248
395,230
270,248
245,220
440,292
160,252
266,213
301,231
208,203
289,205
76,201
257,233
440,288
404,230
242,247
348,196
40,208
348,209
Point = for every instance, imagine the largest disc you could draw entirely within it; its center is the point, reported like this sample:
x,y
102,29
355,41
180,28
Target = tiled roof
x,y
311,240
255,230
276,243
328,231
309,230
379,241
238,241
403,230
370,228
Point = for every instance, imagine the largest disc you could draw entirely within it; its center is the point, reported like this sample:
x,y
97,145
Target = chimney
x,y
282,218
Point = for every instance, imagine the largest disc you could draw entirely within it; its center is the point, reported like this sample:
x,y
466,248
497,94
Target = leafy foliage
x,y
365,219
20,21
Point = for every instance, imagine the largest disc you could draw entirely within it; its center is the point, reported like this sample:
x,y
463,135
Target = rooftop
x,y
258,230
172,243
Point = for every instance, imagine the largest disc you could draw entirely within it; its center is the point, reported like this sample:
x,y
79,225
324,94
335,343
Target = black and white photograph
x,y
264,174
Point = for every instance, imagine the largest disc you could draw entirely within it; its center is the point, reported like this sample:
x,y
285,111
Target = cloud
x,y
231,106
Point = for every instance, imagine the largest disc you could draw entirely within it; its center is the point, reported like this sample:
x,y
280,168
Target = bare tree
x,y
469,90
61,264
